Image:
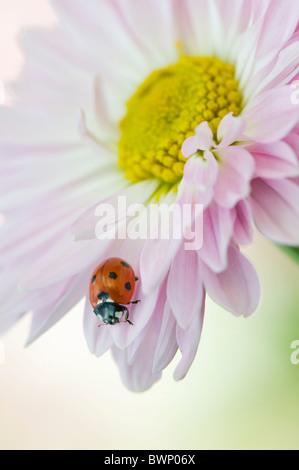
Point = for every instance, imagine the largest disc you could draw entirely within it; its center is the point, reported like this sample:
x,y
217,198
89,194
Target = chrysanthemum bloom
x,y
185,101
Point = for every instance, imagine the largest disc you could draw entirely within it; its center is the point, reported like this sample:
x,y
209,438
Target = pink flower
x,y
104,107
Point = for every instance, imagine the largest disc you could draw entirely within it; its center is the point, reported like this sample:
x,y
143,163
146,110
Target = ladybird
x,y
112,287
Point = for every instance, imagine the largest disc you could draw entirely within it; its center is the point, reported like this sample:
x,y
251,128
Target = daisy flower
x,y
173,101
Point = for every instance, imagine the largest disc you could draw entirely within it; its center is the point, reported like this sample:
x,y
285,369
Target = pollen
x,y
166,109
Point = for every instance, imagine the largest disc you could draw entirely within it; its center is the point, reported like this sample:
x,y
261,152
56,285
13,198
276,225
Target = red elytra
x,y
115,277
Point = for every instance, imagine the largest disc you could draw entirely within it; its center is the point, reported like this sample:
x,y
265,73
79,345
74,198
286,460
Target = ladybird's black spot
x,y
94,278
103,296
126,265
136,278
112,275
128,286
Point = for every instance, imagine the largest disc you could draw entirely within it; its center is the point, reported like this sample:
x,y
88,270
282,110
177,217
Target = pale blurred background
x,y
242,391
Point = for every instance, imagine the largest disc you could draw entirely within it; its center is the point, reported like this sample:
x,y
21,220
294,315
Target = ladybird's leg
x,y
127,321
127,316
134,302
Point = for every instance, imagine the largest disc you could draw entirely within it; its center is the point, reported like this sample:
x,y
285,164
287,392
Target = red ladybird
x,y
112,285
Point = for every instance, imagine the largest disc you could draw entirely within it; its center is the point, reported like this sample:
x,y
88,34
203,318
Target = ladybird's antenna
x,y
102,324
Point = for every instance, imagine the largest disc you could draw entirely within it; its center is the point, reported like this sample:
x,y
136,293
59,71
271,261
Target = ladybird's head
x,y
110,313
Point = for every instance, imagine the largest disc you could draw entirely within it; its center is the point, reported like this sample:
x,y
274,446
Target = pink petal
x,y
159,306
230,130
158,251
155,261
292,140
190,194
166,345
274,160
189,147
218,223
243,228
276,210
201,171
235,172
184,289
278,72
237,288
204,136
188,341
272,115
137,370
202,140
137,377
140,315
280,22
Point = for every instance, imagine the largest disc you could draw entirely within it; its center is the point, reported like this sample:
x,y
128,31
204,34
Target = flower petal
x,y
202,140
292,140
278,72
276,210
237,289
188,341
204,136
271,115
159,248
280,22
152,26
137,370
230,130
155,261
274,160
243,228
235,172
140,315
166,345
45,317
99,339
201,171
218,223
137,377
85,227
100,24
191,194
184,289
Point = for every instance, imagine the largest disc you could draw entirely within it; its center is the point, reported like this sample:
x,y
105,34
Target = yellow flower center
x,y
166,109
